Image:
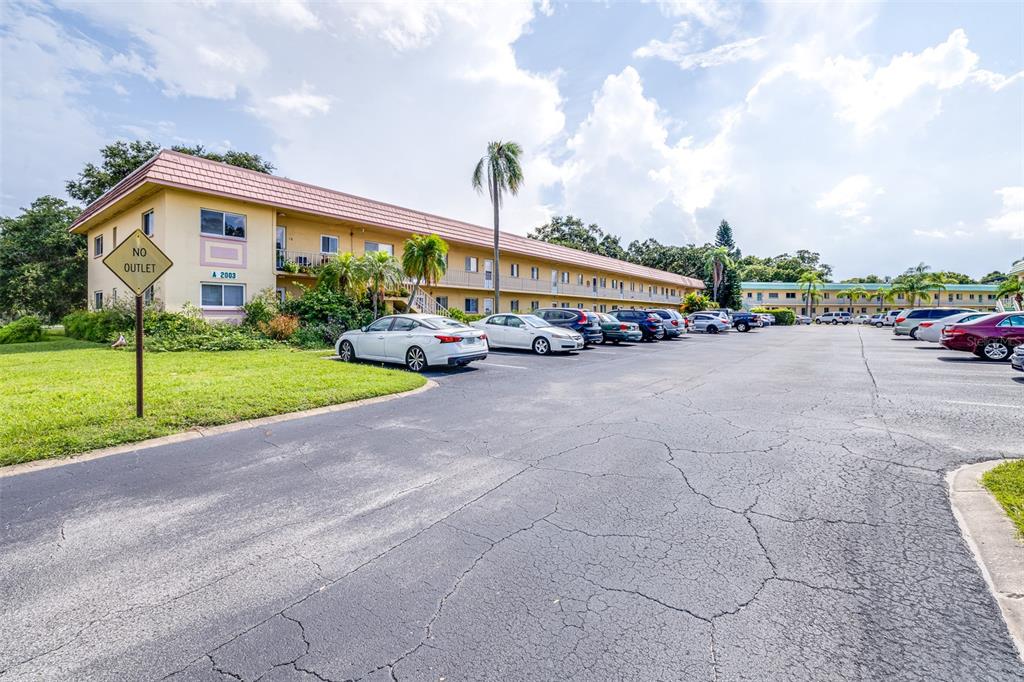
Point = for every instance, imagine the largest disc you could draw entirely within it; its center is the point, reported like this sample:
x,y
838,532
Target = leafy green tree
x,y
994,277
42,265
809,282
694,302
950,277
569,231
382,273
884,295
121,158
937,282
913,289
424,258
853,294
1012,287
343,274
500,169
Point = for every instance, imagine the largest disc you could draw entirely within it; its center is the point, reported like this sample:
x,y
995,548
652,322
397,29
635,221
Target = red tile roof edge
x,y
185,170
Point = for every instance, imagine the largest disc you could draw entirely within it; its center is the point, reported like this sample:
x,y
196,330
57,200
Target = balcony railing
x,y
306,263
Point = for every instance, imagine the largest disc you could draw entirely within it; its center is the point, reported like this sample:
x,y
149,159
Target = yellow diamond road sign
x,y
137,262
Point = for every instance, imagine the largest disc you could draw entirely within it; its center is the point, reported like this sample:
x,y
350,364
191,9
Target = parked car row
x,y
419,341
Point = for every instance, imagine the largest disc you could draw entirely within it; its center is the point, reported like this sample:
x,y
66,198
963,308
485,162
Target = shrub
x,y
318,334
695,302
102,326
783,316
261,309
280,327
215,337
23,330
321,305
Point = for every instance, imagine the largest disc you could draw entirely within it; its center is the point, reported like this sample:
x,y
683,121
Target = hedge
x,y
23,330
783,316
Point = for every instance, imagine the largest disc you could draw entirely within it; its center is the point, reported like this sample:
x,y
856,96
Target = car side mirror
x,y
363,329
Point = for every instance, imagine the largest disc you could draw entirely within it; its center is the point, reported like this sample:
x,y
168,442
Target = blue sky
x,y
880,135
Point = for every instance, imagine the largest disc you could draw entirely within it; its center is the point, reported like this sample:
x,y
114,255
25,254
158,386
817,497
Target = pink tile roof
x,y
172,169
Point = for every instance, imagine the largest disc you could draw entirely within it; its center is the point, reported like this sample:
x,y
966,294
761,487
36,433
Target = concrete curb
x,y
993,539
203,432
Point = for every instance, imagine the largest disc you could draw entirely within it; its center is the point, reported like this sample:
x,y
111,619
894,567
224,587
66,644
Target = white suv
x,y
834,318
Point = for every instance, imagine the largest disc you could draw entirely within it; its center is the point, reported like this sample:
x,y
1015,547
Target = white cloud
x,y
678,50
721,17
301,102
850,198
941,234
1011,218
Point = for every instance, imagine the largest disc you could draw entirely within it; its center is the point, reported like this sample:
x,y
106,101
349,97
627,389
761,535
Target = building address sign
x,y
224,274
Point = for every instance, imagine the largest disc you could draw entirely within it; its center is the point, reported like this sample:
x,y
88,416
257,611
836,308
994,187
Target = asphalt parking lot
x,y
752,506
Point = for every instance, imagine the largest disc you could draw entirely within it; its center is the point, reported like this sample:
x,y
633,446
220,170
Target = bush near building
x,y
23,330
783,316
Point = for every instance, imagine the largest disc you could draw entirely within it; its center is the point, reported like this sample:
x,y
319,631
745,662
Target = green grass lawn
x,y
62,396
1006,482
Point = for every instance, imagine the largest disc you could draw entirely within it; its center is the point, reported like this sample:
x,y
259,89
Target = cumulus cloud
x,y
677,50
1010,220
301,102
850,198
941,234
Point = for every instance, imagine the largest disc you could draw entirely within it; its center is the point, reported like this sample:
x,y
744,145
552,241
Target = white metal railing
x,y
423,302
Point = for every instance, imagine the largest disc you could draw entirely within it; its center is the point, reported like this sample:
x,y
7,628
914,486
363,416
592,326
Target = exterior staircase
x,y
421,303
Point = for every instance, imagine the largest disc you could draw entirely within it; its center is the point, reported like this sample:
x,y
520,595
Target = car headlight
x,y
560,335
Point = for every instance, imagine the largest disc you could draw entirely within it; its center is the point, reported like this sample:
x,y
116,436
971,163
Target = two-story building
x,y
790,295
232,233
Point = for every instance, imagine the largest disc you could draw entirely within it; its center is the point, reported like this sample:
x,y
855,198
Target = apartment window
x,y
534,273
790,294
565,278
378,246
580,306
614,307
632,286
97,300
442,301
328,244
147,223
773,294
534,305
472,305
147,296
281,294
471,265
565,305
222,295
604,282
672,292
826,310
601,308
514,269
750,294
97,245
826,298
513,305
579,280
222,223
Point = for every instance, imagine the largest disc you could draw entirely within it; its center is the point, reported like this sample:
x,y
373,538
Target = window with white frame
x,y
281,294
472,305
565,277
579,280
97,245
222,223
442,301
534,273
97,300
378,246
147,296
328,244
147,223
514,270
534,305
513,305
472,265
216,295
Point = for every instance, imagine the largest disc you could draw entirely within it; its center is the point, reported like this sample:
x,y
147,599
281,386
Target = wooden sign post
x,y
138,262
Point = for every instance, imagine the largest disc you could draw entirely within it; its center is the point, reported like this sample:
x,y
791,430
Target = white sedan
x,y
415,340
510,330
931,330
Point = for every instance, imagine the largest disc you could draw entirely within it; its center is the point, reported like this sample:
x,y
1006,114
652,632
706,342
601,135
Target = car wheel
x,y
743,327
878,324
415,359
602,338
712,329
541,346
913,333
347,353
615,342
835,321
995,350
817,322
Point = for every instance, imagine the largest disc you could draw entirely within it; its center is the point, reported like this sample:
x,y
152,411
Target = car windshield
x,y
534,321
441,323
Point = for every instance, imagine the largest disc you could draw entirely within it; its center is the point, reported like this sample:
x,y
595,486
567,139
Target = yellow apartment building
x,y
232,233
790,295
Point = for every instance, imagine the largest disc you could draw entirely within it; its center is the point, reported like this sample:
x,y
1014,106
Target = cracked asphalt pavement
x,y
752,506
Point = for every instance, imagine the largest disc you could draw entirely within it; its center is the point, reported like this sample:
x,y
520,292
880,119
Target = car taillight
x,y
653,318
953,331
900,319
623,327
444,338
583,318
926,324
675,323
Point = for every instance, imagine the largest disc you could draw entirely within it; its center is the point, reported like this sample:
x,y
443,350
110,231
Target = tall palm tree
x,y
937,282
913,288
424,258
853,294
884,296
1012,287
382,273
343,273
809,282
500,169
716,260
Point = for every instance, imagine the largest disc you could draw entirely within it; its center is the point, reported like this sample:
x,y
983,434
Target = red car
x,y
992,337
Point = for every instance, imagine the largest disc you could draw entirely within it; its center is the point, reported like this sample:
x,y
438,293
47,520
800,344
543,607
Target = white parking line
x,y
498,364
599,352
967,402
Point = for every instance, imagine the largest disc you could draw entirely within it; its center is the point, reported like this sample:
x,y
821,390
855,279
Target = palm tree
x,y
716,260
343,273
1012,287
425,258
937,281
503,174
809,282
853,294
912,288
382,272
884,296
